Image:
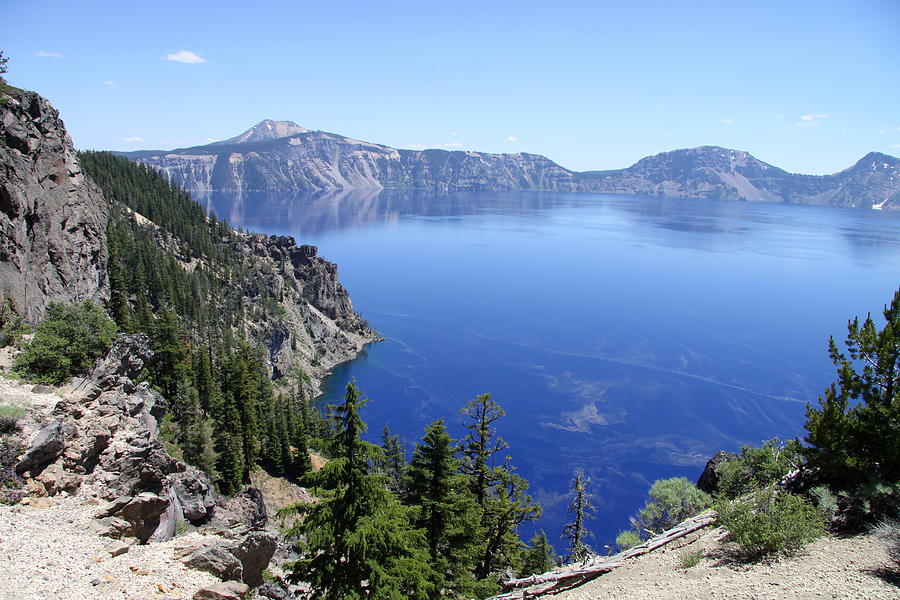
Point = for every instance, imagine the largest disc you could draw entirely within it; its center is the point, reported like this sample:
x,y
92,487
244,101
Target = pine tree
x,y
539,557
444,508
118,287
576,531
358,539
854,436
500,493
392,462
230,451
481,444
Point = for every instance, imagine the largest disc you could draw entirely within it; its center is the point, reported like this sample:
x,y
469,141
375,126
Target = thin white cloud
x,y
727,121
453,133
450,145
895,145
132,139
110,83
777,116
811,120
512,138
890,129
45,54
417,146
185,56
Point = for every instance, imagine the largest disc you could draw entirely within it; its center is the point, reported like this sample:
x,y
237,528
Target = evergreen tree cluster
x,y
443,525
180,280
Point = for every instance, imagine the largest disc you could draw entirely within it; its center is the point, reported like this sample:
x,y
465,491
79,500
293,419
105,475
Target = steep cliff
x,y
282,156
54,247
52,217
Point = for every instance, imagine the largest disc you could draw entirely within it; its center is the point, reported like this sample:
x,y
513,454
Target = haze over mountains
x,y
283,156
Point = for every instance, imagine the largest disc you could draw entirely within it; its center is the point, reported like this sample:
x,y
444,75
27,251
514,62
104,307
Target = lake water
x,y
630,337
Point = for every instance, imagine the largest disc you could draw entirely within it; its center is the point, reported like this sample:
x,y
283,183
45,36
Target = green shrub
x,y
627,539
866,504
690,559
66,343
757,468
768,522
672,501
12,331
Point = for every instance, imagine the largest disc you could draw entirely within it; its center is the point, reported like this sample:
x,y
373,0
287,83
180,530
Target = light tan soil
x,y
829,568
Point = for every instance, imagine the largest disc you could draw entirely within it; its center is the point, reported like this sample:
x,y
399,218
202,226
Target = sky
x,y
807,86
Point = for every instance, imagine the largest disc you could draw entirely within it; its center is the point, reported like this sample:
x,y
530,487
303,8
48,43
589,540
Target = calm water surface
x,y
630,337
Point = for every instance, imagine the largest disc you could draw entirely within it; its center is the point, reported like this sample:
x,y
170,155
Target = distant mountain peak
x,y
266,130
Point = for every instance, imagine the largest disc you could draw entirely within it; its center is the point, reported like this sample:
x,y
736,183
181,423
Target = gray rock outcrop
x,y
709,479
104,441
52,218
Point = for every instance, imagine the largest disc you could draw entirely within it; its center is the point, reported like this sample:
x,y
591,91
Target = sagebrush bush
x,y
889,532
627,539
825,500
768,522
757,468
66,342
671,501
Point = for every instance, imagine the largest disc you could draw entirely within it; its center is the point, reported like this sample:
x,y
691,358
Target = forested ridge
x,y
180,279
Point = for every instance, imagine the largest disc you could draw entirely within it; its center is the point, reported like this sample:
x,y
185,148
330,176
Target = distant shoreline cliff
x,y
280,156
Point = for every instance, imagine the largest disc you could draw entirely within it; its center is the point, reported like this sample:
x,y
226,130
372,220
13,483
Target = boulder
x,y
48,445
255,552
144,513
245,511
195,492
168,520
217,560
273,591
227,590
709,479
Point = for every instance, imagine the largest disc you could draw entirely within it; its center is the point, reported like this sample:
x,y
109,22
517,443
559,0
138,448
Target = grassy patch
x,y
690,559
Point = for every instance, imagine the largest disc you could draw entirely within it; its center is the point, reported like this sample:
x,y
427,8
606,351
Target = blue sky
x,y
807,86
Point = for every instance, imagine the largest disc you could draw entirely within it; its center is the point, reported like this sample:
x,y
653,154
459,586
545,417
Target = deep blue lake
x,y
630,337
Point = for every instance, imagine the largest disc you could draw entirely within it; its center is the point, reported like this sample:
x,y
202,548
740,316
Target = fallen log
x,y
554,580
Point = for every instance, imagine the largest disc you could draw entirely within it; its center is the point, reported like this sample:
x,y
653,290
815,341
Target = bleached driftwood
x,y
572,577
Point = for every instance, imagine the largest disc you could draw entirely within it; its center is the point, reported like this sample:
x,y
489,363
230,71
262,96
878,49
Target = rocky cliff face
x,y
312,161
317,327
52,218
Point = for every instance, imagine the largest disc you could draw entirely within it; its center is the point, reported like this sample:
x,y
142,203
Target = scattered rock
x,y
42,389
117,548
227,590
217,560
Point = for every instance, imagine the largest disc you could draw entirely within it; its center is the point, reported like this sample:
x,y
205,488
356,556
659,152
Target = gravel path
x,y
830,568
54,553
